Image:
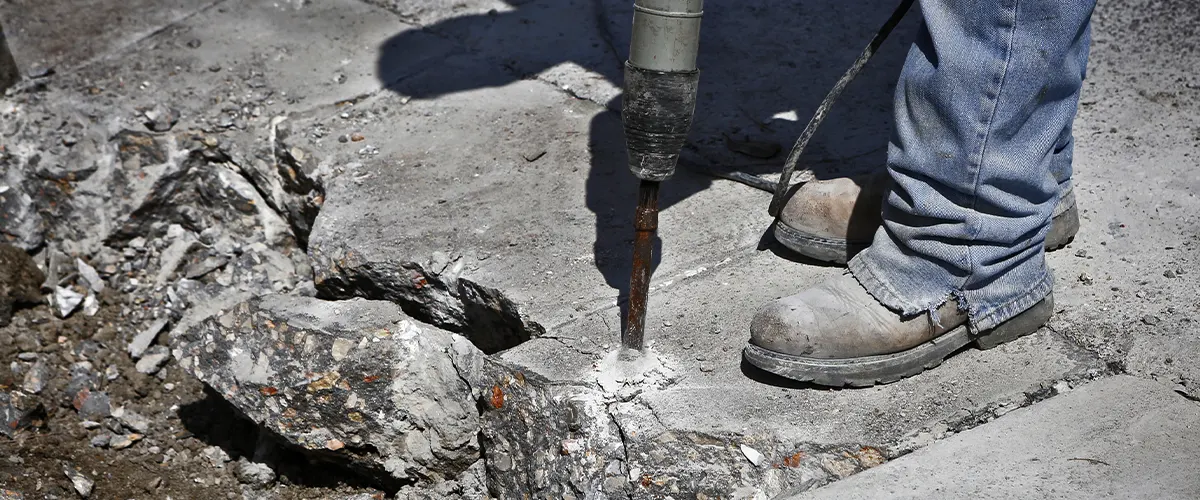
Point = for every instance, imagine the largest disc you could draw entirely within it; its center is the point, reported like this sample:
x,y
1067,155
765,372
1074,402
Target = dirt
x,y
185,420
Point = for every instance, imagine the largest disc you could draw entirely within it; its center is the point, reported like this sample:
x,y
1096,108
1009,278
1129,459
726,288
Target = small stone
x,y
343,138
19,411
161,118
89,275
1081,253
153,360
154,484
102,440
111,373
1150,320
36,378
90,424
1169,274
66,301
257,475
91,306
1085,278
83,485
752,455
92,405
216,68
194,43
215,455
533,155
132,420
120,442
706,367
144,339
357,137
27,356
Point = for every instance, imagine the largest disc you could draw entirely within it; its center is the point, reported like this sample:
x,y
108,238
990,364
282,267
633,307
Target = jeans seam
x,y
987,132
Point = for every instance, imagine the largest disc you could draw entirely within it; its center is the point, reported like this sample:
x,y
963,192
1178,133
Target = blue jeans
x,y
980,155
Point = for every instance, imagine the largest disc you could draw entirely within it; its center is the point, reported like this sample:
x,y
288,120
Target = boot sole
x,y
887,368
1063,227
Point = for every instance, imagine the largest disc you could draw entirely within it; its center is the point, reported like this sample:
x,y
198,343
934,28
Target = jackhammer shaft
x,y
659,101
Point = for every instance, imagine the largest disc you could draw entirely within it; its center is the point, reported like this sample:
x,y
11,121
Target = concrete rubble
x,y
348,249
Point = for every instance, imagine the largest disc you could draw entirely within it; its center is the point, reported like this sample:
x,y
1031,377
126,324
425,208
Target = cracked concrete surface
x,y
472,167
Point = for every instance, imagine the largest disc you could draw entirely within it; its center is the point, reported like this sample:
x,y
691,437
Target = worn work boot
x,y
836,334
832,220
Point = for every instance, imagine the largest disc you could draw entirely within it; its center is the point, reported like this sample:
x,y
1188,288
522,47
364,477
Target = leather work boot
x,y
836,334
832,220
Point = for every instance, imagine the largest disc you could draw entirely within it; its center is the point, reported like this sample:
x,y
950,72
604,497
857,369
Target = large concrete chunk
x,y
1116,438
355,381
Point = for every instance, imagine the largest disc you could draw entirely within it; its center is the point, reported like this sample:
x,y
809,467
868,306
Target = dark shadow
x,y
498,48
216,422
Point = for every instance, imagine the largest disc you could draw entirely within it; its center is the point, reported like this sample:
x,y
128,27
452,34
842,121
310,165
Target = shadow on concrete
x,y
541,34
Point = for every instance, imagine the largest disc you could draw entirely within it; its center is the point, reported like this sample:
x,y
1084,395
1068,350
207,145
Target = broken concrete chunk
x,y
153,360
90,276
20,281
37,377
161,118
19,411
253,474
92,405
66,301
356,380
144,339
83,485
132,420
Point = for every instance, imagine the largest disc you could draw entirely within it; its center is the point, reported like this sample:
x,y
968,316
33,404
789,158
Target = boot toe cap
x,y
784,327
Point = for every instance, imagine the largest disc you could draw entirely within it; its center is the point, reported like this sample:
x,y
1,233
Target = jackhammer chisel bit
x,y
661,79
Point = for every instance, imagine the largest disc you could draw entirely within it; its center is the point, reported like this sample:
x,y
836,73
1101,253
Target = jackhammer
x,y
659,101
661,79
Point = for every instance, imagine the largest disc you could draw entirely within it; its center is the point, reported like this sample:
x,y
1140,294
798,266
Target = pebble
x,y
1085,278
83,485
27,356
92,405
215,68
36,378
254,474
124,441
89,274
753,455
154,484
153,360
194,43
102,440
357,137
343,138
1150,320
111,373
90,424
66,301
161,118
706,367
1169,273
132,420
144,339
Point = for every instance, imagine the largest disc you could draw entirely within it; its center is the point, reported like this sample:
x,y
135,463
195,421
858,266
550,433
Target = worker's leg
x,y
981,108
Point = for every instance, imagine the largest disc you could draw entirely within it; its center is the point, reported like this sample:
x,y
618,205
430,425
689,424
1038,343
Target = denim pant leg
x,y
980,152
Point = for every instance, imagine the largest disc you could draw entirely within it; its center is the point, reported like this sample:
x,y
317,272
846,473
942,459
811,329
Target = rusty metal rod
x,y
645,223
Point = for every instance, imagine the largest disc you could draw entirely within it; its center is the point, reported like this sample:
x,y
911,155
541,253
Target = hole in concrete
x,y
484,315
215,422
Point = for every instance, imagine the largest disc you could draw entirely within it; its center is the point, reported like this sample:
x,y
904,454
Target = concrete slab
x,y
1114,438
433,185
1127,285
47,35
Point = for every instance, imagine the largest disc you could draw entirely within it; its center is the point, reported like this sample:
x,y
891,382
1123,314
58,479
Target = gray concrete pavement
x,y
1121,437
473,166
